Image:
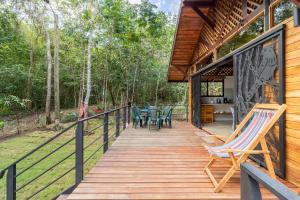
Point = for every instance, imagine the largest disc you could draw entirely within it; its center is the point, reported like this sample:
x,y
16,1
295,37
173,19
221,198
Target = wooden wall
x,y
292,76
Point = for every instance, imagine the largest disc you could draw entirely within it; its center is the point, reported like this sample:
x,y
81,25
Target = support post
x,y
124,118
249,187
118,123
11,183
267,14
105,132
79,152
296,17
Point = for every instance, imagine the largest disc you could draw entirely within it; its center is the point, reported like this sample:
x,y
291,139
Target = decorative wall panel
x,y
259,79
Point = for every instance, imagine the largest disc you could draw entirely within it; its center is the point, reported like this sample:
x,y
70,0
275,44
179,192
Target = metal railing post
x,y
128,111
79,152
105,132
118,123
11,183
124,118
250,189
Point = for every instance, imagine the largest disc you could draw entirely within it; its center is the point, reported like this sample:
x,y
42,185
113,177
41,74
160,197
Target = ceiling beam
x,y
203,16
296,2
203,4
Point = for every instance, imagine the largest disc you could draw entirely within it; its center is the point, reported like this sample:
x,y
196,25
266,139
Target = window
x,y
212,89
204,89
282,11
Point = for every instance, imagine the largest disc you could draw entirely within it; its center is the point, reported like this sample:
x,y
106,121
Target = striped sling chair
x,y
248,134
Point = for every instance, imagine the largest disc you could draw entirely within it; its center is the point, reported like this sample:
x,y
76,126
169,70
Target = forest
x,y
55,55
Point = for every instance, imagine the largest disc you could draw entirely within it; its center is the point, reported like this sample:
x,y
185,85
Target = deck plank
x,y
165,164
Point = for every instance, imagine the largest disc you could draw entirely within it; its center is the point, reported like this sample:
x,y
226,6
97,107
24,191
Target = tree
x,y
49,78
88,81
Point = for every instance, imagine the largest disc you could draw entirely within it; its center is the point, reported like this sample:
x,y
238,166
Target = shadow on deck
x,y
165,164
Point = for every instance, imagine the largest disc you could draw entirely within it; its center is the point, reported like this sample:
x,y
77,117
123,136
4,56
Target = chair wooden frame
x,y
259,138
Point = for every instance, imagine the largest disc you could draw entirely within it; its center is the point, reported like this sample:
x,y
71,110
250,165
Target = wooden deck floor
x,y
165,164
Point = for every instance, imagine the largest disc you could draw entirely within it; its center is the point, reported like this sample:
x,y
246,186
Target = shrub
x,y
2,123
69,117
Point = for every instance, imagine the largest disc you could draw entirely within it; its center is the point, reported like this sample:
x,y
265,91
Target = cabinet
x,y
207,113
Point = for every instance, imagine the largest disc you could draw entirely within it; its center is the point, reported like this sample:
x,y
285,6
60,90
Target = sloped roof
x,y
203,25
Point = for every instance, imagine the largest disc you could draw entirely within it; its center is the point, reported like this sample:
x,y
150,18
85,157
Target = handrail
x,y
251,177
38,147
12,174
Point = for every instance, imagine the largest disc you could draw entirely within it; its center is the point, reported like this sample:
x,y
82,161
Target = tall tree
x,y
89,72
56,67
49,77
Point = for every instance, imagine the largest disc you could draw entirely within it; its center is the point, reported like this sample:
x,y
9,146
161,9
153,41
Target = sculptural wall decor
x,y
256,72
259,79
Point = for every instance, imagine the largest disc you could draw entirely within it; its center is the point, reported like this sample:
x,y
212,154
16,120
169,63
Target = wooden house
x,y
235,53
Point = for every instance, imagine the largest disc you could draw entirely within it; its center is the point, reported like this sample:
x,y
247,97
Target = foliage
x,y
12,102
2,124
68,117
131,51
282,11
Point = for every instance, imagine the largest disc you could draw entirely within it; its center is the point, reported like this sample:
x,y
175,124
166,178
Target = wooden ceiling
x,y
188,30
203,25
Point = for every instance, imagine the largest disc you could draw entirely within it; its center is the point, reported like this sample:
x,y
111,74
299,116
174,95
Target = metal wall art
x,y
259,78
256,71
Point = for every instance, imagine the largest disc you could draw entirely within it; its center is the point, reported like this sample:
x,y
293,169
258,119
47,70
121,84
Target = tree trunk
x,y
56,69
49,79
88,81
112,96
156,91
82,82
133,85
105,83
29,80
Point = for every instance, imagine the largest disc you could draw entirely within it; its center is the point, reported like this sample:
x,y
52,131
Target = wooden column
x,y
190,106
215,55
266,15
296,17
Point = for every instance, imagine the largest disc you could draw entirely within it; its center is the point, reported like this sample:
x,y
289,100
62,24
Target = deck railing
x,y
120,119
252,177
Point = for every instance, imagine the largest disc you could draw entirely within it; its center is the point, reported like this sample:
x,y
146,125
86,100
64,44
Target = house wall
x,y
292,76
292,90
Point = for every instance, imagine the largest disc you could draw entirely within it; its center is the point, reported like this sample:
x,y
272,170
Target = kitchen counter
x,y
216,112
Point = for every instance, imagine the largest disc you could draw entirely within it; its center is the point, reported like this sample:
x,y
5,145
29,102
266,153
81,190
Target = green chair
x,y
153,118
136,117
166,116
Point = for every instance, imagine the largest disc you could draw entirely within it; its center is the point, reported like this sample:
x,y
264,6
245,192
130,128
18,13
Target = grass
x,y
12,149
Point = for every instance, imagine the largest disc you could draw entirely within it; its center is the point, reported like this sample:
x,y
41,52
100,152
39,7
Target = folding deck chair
x,y
249,133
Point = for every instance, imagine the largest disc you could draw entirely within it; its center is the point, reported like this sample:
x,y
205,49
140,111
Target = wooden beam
x,y
296,17
296,2
266,15
244,8
203,4
248,20
203,16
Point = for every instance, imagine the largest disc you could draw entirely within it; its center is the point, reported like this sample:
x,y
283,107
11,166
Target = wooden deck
x,y
165,164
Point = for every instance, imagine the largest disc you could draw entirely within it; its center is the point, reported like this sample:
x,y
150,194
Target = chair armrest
x,y
241,151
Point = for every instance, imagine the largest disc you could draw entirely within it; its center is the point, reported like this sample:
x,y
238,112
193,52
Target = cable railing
x,y
84,141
